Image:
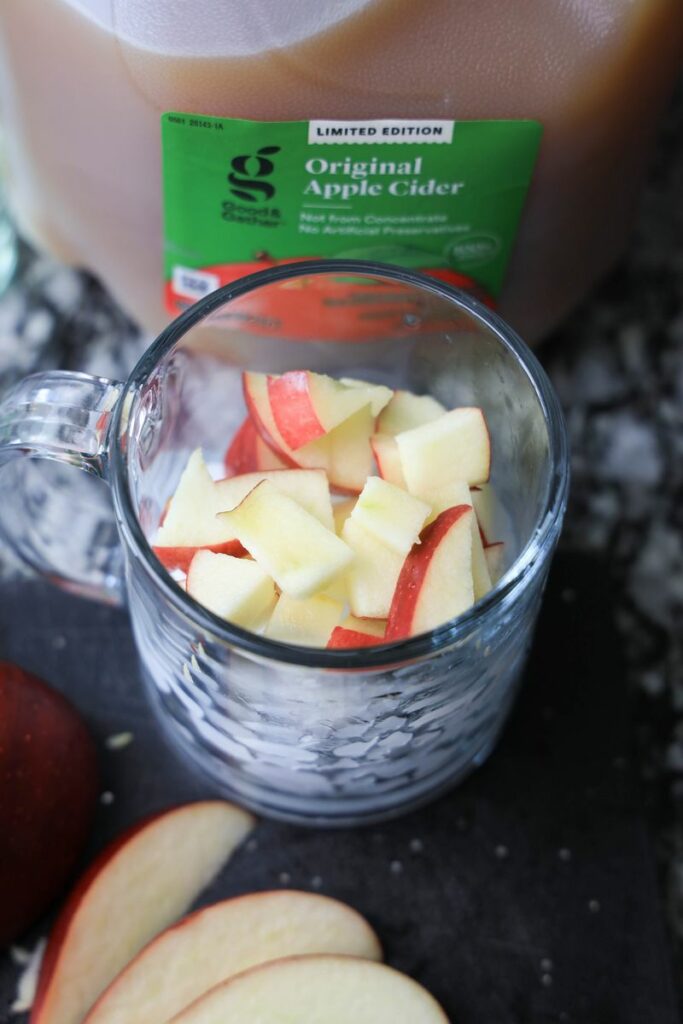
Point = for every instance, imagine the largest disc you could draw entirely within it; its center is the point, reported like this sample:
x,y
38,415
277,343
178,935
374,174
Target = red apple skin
x,y
414,570
248,453
293,411
342,637
256,418
180,557
49,784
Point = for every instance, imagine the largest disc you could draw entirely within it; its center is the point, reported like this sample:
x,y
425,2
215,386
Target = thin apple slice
x,y
305,621
248,453
354,632
322,989
436,582
138,886
388,459
390,514
371,580
289,544
454,447
223,940
307,405
406,410
236,589
494,554
379,394
490,514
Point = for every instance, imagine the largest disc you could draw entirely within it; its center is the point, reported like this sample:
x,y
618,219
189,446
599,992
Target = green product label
x,y
440,196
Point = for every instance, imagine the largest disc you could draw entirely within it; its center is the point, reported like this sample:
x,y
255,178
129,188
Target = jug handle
x,y
62,417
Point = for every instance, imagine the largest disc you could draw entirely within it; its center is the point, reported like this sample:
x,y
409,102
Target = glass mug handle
x,y
60,528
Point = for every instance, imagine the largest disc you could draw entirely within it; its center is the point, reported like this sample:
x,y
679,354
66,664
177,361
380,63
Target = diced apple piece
x,y
190,519
236,589
223,940
454,493
494,554
248,453
354,632
390,514
317,990
307,487
344,453
406,410
436,582
289,544
307,405
138,886
341,511
378,394
454,447
372,577
388,459
305,621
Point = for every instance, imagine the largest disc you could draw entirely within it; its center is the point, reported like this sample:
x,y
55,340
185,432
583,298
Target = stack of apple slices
x,y
116,956
279,547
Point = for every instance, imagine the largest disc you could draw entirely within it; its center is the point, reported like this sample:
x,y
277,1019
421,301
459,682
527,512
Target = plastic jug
x,y
84,85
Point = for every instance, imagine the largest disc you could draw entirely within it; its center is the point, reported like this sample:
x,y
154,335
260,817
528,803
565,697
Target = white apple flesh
x,y
289,544
236,589
454,447
305,621
316,990
406,410
390,514
220,941
372,577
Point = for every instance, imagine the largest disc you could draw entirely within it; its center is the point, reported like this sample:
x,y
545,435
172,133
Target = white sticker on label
x,y
194,284
394,130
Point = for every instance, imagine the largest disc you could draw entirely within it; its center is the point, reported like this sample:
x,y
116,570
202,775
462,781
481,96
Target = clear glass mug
x,y
324,737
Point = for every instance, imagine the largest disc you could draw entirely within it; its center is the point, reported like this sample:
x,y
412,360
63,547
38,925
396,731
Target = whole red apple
x,y
48,793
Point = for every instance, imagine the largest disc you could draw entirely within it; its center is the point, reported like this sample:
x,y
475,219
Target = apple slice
x,y
289,544
307,405
354,632
436,581
237,589
454,493
247,453
494,554
305,621
307,487
322,989
140,884
189,520
373,575
406,410
490,514
454,447
390,514
48,796
344,453
388,459
379,394
218,942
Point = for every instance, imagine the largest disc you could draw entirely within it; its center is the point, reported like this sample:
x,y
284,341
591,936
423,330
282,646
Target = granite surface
x,y
618,367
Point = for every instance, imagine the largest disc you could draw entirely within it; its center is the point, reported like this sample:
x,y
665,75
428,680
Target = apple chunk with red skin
x,y
435,583
220,941
316,989
138,886
354,632
248,453
457,446
48,794
307,405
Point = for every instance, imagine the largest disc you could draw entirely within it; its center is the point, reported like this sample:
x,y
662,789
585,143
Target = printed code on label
x,y
193,284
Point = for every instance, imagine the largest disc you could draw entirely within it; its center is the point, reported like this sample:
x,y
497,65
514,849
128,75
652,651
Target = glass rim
x,y
380,656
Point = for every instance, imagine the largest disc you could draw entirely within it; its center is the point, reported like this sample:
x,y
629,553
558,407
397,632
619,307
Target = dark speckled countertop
x,y
618,367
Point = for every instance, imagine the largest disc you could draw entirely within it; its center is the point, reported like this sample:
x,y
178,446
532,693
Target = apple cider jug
x,y
170,148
